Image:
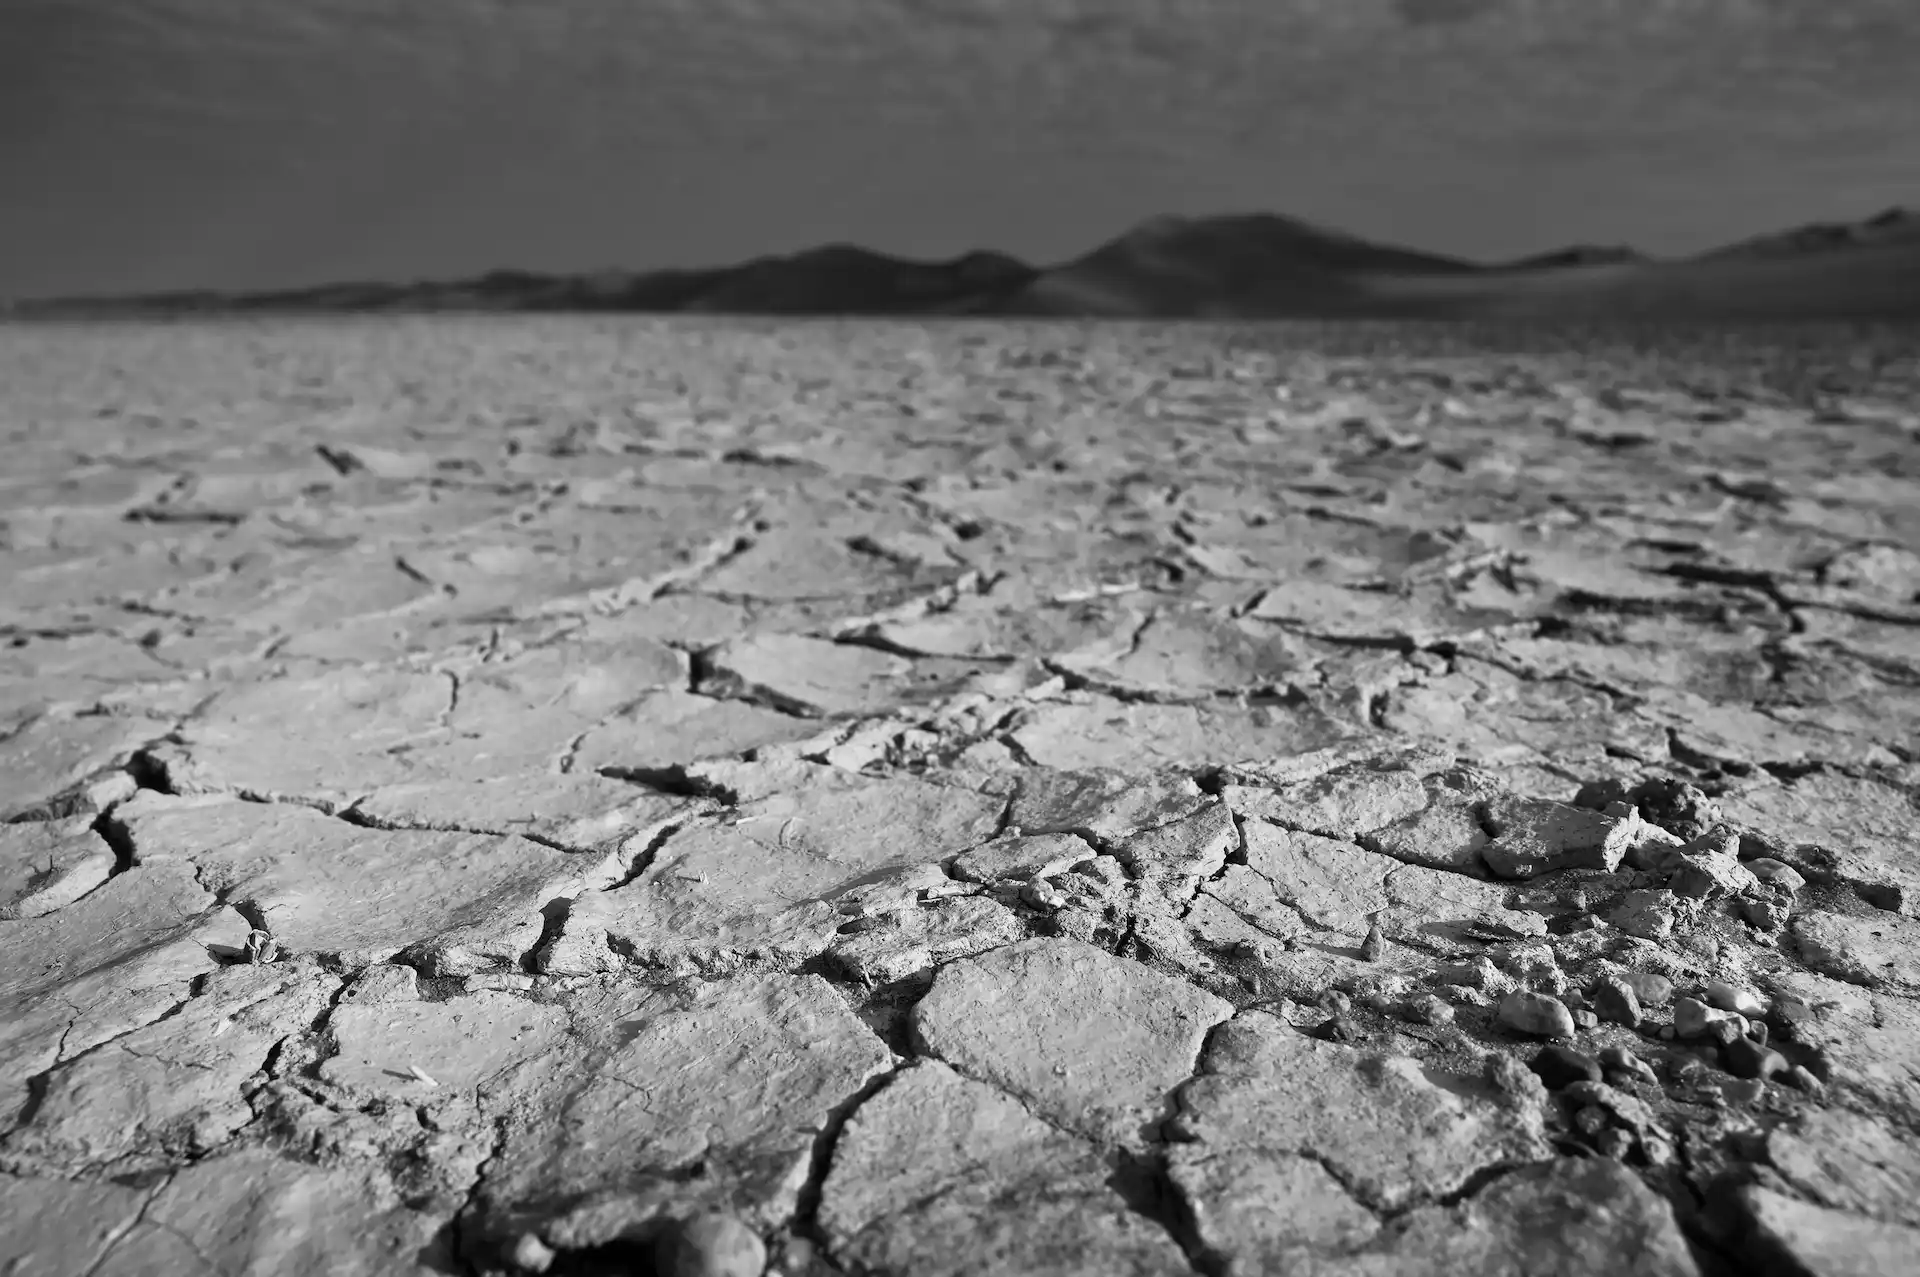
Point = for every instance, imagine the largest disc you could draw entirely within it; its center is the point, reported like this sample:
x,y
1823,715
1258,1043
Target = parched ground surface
x,y
619,796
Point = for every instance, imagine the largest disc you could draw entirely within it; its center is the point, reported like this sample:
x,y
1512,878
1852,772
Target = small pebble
x,y
1786,1012
1763,915
1688,1070
1656,1149
1335,1001
1776,873
1746,1058
1802,1078
1727,1032
714,1244
1374,945
1340,1028
1262,950
1652,989
1479,974
1618,1060
1691,1018
1043,895
1614,1142
1758,1031
1425,1008
1514,1079
1591,1120
798,1255
1560,1066
531,1255
1742,1090
1537,1014
1731,997
1615,1000
1585,1019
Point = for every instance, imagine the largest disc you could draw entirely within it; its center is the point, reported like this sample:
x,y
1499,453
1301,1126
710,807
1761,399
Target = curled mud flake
x,y
260,948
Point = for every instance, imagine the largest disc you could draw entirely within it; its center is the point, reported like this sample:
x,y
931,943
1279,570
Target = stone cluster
x,y
722,798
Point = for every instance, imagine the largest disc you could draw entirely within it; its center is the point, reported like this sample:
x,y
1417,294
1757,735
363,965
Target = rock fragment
x,y
1795,1236
1021,857
762,886
577,812
1746,1058
1177,857
1533,836
1101,805
1114,1039
121,957
1260,1208
1560,1066
62,1226
253,1211
943,1175
736,1077
1444,836
1621,1065
1149,736
1571,1216
1614,1000
1879,952
461,1043
909,941
711,1244
1536,1014
47,864
171,1089
1652,988
1849,1161
321,885
1266,1086
1341,804
1865,826
1646,914
673,728
1728,996
809,677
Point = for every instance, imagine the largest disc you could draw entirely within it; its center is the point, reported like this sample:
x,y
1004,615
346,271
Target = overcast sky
x,y
152,144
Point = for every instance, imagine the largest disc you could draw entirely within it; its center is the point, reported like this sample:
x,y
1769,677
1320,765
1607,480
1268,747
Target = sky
x,y
159,144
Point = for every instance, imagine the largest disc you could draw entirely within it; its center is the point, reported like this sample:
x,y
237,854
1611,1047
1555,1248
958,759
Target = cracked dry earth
x,y
593,796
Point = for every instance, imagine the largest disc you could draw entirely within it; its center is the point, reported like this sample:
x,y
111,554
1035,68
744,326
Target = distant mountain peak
x,y
1239,265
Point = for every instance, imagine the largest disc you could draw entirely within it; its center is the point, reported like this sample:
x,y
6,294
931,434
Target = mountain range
x,y
1242,266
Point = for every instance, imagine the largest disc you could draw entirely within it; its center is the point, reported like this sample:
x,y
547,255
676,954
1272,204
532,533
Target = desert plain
x,y
543,794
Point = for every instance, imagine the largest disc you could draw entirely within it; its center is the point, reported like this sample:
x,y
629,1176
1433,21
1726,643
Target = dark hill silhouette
x,y
1232,265
1894,226
844,279
1579,255
1240,266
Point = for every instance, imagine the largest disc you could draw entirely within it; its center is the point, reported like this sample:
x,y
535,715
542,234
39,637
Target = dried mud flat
x,y
624,796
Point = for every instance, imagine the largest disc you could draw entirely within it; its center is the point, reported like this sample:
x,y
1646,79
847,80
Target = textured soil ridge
x,y
606,796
